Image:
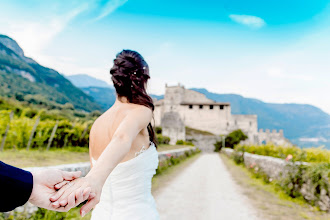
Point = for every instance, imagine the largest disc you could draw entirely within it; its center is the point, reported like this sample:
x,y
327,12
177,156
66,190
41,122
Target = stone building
x,y
183,107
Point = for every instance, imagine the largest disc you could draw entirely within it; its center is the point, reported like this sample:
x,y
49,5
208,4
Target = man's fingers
x,y
88,206
70,175
61,184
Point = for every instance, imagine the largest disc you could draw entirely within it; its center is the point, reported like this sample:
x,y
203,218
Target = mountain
x,y
105,97
297,120
305,125
103,93
84,81
26,80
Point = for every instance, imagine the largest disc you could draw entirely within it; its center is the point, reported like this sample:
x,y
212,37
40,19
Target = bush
x,y
306,155
172,160
182,142
158,130
163,139
234,138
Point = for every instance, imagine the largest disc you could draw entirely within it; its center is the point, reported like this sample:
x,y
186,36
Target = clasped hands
x,y
60,190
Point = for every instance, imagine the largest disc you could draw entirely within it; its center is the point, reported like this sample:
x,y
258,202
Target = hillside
x,y
103,93
23,78
84,81
297,120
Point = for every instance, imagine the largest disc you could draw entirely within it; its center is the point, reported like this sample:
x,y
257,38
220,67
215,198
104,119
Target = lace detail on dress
x,y
142,150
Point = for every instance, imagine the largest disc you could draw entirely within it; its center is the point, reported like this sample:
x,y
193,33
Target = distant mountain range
x,y
303,124
84,80
26,80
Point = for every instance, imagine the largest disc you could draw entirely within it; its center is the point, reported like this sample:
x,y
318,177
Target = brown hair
x,y
130,73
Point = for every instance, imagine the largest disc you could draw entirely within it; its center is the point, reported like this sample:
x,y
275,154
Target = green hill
x,y
23,78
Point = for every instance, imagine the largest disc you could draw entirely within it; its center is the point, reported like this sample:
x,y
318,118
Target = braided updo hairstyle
x,y
130,74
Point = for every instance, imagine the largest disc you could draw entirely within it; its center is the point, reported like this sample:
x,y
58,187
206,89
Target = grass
x,y
159,182
38,158
23,158
193,131
269,200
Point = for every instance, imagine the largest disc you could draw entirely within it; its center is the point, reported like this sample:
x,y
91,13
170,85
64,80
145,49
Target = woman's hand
x,y
67,195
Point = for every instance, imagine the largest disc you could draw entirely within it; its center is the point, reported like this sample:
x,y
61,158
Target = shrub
x,y
158,130
182,142
163,139
307,155
234,138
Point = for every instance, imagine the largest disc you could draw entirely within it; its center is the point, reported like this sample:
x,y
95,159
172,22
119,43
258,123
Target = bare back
x,y
105,126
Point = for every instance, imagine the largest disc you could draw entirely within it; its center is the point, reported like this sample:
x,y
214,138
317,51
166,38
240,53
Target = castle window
x,y
211,106
250,123
190,106
227,123
221,106
200,106
235,122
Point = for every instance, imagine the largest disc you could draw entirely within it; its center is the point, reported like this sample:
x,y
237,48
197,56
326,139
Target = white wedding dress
x,y
126,194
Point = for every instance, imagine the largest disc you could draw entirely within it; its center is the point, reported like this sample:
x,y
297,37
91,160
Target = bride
x,y
122,150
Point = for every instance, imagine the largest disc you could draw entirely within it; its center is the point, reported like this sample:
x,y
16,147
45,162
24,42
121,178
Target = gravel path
x,y
204,191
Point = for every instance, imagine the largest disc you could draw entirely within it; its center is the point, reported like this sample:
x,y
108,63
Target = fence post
x,y
84,132
11,115
32,133
52,136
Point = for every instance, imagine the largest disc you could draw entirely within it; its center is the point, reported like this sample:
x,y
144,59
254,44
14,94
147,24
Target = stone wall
x,y
173,127
274,167
85,167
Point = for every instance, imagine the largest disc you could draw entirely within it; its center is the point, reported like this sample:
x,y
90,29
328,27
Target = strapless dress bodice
x,y
126,193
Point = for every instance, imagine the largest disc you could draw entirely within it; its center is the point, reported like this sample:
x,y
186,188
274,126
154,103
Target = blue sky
x,y
276,51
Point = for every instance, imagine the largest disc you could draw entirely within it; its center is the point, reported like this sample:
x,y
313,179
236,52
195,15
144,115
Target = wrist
x,y
95,178
34,182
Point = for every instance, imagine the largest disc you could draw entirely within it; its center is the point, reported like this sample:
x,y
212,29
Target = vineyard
x,y
26,127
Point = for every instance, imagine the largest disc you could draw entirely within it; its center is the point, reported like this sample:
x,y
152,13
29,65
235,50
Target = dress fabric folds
x,y
126,194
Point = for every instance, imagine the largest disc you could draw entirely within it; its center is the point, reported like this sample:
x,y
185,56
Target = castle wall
x,y
206,119
195,110
247,123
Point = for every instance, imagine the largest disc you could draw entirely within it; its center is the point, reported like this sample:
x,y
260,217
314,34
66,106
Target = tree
x,y
234,138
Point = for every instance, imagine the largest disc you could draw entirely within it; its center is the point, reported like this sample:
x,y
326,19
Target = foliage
x,y
163,139
298,180
234,138
307,155
172,160
193,131
46,86
158,130
71,131
218,145
182,142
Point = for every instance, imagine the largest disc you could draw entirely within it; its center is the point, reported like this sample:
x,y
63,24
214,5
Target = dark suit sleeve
x,y
15,187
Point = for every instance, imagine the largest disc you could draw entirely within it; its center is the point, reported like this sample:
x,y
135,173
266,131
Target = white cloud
x,y
34,36
110,7
248,20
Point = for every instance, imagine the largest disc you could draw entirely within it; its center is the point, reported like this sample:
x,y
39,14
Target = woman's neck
x,y
121,100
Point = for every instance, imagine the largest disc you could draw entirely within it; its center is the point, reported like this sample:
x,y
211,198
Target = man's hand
x,y
64,197
44,182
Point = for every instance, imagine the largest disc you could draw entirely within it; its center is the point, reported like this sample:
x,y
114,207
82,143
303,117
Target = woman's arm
x,y
115,152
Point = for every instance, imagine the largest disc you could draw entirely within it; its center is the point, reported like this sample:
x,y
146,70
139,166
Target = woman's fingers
x,y
61,184
88,206
70,175
60,192
71,201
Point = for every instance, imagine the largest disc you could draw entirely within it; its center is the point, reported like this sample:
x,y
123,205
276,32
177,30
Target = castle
x,y
183,107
